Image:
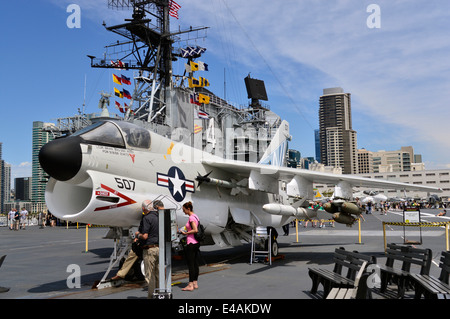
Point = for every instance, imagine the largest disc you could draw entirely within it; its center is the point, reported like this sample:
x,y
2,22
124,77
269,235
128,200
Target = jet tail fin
x,y
275,154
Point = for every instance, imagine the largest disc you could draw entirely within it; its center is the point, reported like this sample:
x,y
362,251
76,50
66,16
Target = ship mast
x,y
147,48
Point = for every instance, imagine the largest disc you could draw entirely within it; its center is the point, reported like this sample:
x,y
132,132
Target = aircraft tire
x,y
141,269
137,271
274,248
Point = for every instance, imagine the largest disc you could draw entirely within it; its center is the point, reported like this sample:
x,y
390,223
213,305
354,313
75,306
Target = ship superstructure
x,y
180,106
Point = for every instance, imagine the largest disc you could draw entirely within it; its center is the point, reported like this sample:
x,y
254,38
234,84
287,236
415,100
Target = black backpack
x,y
200,234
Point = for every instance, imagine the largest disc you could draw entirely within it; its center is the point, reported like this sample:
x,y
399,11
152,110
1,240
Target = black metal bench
x,y
352,261
431,287
407,255
360,289
3,289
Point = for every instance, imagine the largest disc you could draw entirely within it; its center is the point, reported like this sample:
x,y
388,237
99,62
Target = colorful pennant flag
x,y
203,82
173,8
119,64
203,98
197,129
202,66
125,80
194,66
201,115
120,108
126,94
192,51
123,109
117,80
118,93
193,83
193,98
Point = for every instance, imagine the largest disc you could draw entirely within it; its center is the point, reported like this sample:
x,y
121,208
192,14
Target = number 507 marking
x,y
125,183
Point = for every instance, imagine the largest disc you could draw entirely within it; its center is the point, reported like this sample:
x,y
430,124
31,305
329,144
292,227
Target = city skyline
x,y
397,73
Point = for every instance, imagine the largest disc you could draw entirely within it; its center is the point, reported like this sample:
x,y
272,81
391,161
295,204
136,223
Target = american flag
x,y
173,8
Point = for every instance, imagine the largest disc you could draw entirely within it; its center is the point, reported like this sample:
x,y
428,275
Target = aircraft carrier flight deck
x,y
40,262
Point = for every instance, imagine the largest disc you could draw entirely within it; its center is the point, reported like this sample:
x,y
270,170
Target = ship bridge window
x,y
134,135
102,133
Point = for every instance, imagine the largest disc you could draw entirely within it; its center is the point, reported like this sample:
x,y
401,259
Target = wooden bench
x,y
407,255
431,287
352,261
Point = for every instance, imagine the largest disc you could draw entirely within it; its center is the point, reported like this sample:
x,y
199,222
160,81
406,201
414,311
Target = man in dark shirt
x,y
148,235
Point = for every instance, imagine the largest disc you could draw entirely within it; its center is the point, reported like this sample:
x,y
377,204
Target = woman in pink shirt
x,y
192,247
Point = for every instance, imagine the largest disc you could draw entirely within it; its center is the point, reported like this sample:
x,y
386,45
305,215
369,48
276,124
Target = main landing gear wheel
x,y
142,269
137,271
274,248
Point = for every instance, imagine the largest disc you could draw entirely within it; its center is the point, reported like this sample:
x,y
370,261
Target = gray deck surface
x,y
36,266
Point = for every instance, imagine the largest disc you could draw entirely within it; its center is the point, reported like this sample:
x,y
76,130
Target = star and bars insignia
x,y
176,182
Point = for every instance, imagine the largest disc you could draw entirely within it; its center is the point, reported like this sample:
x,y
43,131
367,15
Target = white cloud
x,y
24,165
21,170
398,75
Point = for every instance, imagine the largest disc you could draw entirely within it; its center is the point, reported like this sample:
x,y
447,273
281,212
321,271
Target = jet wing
x,y
262,177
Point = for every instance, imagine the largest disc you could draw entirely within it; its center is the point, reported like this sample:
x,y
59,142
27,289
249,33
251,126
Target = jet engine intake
x,y
103,199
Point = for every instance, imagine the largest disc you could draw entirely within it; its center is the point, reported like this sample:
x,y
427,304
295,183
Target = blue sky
x,y
398,74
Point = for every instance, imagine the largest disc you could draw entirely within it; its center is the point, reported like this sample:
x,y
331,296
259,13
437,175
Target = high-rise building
x,y
5,182
22,188
2,179
337,138
40,137
7,176
293,159
317,145
365,161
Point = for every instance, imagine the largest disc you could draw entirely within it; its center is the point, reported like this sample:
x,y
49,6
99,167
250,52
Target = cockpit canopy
x,y
116,134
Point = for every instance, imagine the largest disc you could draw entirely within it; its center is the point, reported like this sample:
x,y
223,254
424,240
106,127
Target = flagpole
x,y
84,94
224,85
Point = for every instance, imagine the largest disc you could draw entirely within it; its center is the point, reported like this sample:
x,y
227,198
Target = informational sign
x,y
411,215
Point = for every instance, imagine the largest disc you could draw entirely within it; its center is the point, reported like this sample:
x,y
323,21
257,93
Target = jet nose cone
x,y
61,158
